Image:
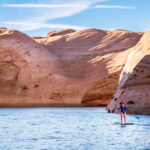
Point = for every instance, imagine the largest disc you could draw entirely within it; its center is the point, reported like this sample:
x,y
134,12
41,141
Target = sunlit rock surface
x,y
66,68
92,59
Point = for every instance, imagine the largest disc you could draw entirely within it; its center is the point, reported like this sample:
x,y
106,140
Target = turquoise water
x,y
71,129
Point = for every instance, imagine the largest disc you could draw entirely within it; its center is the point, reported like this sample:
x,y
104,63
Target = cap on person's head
x,y
122,102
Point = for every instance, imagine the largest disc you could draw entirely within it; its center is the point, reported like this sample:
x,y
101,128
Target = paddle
x,y
137,117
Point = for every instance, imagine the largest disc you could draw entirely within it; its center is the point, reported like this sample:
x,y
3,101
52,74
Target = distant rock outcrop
x,y
62,32
134,84
66,68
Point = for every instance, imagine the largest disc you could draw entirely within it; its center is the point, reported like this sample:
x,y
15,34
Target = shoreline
x,y
23,105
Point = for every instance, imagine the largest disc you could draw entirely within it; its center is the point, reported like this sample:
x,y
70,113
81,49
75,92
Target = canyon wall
x,y
134,84
66,68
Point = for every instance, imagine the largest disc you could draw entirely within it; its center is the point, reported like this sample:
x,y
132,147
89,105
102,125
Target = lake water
x,y
71,129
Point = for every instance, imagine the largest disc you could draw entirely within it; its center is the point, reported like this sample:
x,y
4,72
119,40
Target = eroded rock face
x,y
92,59
67,68
8,77
23,62
134,84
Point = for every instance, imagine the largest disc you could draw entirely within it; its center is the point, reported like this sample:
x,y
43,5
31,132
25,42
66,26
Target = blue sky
x,y
38,17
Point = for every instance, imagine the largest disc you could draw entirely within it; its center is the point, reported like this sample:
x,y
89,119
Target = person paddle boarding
x,y
122,109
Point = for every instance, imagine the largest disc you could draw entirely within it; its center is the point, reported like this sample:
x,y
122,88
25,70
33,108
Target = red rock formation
x,y
23,62
92,58
68,68
134,84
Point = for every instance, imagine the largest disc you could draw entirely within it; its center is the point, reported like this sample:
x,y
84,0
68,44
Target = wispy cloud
x,y
114,6
64,6
27,26
39,15
44,5
45,12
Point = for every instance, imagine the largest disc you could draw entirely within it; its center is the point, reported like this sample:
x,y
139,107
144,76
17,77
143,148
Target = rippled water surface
x,y
71,129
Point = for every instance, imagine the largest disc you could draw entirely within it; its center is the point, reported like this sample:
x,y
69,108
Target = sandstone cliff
x,y
66,67
134,84
93,59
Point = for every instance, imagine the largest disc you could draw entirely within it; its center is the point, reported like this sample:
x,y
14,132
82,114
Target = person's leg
x,y
121,117
124,116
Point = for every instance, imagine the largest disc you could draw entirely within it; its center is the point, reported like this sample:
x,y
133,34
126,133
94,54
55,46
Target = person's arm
x,y
118,108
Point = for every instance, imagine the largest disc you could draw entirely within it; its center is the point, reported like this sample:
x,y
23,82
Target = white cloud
x,y
69,5
38,15
114,6
44,12
27,26
44,5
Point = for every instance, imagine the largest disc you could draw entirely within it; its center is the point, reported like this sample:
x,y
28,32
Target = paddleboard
x,y
127,124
